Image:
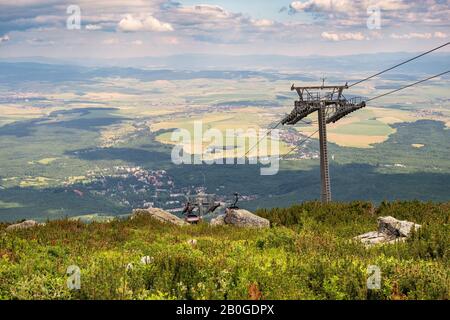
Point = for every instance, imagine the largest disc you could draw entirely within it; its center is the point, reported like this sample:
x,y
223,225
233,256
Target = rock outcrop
x,y
244,218
390,230
160,215
218,221
398,228
23,225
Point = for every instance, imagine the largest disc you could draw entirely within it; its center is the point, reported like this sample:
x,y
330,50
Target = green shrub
x,y
307,254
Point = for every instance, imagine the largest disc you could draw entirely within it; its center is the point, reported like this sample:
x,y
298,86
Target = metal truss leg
x,y
324,167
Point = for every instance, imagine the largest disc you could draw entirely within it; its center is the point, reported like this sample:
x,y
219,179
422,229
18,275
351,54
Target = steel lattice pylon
x,y
331,105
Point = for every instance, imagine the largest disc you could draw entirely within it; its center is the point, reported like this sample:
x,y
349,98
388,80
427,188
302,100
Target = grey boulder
x,y
390,230
160,215
397,228
23,225
218,221
244,218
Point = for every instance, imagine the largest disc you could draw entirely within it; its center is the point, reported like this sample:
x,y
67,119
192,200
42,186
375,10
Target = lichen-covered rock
x,y
218,221
160,215
373,237
244,218
397,228
23,225
390,230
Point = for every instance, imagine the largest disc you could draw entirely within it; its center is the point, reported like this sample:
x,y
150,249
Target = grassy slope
x,y
305,255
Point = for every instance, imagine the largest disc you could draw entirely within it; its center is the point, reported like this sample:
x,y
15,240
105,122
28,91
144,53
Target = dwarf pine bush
x,y
306,254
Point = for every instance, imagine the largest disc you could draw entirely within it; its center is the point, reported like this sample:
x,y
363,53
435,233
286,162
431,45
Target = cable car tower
x,y
331,106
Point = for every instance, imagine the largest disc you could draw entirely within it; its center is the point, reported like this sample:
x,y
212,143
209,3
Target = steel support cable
x,y
399,64
299,145
407,86
379,96
259,141
268,132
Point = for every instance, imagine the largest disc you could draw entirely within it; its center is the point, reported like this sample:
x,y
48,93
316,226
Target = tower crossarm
x,y
301,110
318,87
344,108
311,98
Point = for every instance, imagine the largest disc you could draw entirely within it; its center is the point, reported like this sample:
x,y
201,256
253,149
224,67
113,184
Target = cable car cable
x,y
399,64
407,86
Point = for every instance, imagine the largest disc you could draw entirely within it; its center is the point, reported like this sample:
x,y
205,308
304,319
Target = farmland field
x,y
81,145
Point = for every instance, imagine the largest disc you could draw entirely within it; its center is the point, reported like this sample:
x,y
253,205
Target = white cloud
x,y
207,10
391,5
412,35
214,24
440,35
131,24
418,35
5,38
323,5
38,41
263,23
93,27
153,24
137,42
348,6
358,36
393,12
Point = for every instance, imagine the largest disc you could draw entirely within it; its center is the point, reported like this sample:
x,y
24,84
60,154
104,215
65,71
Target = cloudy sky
x,y
135,28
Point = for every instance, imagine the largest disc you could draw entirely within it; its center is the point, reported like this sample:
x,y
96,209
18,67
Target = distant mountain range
x,y
354,63
185,67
